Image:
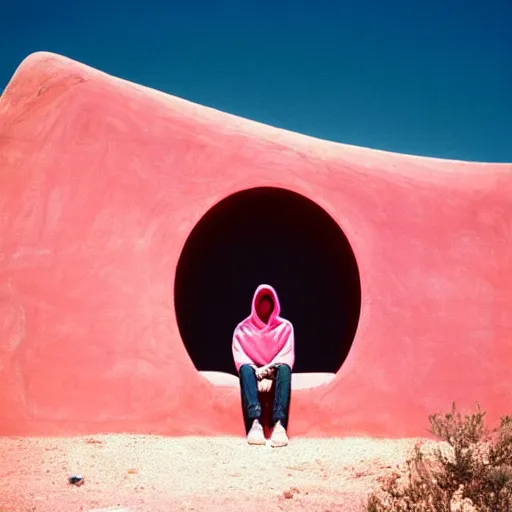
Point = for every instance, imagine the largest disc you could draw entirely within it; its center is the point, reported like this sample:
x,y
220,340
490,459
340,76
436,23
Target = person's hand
x,y
261,372
264,385
264,371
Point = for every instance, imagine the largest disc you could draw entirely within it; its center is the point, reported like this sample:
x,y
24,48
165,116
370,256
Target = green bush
x,y
468,470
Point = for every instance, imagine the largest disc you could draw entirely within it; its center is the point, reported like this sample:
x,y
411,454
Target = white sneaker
x,y
256,435
279,437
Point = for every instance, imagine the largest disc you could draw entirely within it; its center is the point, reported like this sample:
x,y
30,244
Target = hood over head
x,y
264,290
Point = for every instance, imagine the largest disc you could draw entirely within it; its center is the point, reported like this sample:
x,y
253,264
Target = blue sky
x,y
429,78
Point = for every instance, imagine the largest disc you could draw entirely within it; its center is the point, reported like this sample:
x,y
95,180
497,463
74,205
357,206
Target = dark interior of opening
x,y
276,237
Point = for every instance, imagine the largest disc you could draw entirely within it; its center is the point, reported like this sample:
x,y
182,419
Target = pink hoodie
x,y
258,343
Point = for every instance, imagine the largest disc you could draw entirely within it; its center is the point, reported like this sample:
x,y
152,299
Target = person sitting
x,y
264,354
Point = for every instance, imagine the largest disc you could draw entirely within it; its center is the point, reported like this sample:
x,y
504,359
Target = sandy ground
x,y
149,473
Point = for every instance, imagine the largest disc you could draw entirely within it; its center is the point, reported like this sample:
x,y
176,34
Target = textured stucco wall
x,y
101,181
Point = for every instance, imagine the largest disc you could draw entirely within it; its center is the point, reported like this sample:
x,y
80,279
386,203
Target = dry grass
x,y
469,470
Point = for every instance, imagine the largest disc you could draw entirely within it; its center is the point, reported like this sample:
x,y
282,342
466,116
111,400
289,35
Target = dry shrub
x,y
469,470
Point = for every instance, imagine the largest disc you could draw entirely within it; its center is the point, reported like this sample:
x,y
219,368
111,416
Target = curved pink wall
x,y
101,182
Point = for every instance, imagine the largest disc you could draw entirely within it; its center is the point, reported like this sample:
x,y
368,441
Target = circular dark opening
x,y
276,237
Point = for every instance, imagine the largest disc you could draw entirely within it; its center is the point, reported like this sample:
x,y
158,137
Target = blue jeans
x,y
250,401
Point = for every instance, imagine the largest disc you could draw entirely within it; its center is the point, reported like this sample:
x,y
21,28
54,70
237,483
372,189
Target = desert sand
x,y
152,473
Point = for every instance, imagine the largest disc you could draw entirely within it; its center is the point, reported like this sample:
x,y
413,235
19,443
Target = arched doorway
x,y
278,237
